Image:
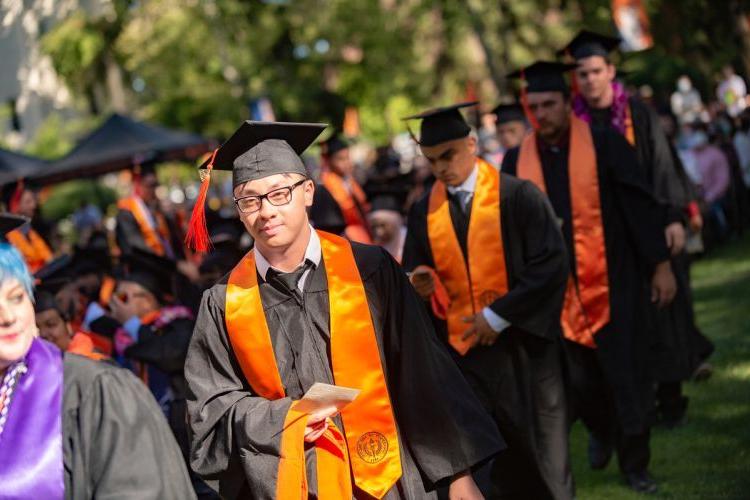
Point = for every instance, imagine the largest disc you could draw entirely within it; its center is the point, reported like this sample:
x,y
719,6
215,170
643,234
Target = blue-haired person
x,y
71,427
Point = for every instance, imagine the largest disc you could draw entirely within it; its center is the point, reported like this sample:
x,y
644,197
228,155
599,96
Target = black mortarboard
x,y
587,43
260,149
9,222
441,125
385,202
505,113
256,150
544,76
55,274
333,145
153,272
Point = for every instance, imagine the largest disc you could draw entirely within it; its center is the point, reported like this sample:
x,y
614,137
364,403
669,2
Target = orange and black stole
x,y
353,205
586,308
32,247
153,236
369,449
472,281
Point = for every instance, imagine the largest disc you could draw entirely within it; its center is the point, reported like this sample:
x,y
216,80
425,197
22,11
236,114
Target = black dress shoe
x,y
600,453
641,482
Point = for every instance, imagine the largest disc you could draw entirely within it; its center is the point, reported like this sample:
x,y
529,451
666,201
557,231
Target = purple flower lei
x,y
619,107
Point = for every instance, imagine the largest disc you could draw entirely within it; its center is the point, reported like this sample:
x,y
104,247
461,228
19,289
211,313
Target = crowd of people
x,y
481,288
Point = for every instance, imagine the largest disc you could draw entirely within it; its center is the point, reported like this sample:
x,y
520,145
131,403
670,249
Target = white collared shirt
x,y
313,253
496,322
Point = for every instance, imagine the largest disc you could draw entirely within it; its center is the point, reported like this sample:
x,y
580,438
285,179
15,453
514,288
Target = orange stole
x,y
371,447
357,228
33,248
486,278
629,130
150,235
586,306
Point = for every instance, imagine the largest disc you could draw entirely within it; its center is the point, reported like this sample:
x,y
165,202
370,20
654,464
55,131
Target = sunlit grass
x,y
709,457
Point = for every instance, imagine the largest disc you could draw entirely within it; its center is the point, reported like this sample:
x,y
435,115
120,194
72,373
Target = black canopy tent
x,y
15,166
118,144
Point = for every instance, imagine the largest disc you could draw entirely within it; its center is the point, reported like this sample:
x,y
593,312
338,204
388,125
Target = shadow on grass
x,y
709,457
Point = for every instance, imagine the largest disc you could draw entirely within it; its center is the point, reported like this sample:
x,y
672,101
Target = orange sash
x,y
154,237
472,289
629,130
586,306
371,447
356,226
83,344
33,248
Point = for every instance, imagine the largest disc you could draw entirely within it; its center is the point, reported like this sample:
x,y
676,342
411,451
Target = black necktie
x,y
463,198
287,282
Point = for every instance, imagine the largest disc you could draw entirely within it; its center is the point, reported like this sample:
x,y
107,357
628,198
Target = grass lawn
x,y
709,457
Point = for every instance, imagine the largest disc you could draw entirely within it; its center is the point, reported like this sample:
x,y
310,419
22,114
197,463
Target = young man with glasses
x,y
303,307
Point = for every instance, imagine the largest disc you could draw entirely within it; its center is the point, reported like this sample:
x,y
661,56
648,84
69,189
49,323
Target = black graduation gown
x,y
128,235
236,435
676,342
116,442
633,223
519,378
325,213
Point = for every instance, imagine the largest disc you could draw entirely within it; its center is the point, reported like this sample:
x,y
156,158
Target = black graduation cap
x,y
9,222
256,150
385,202
44,301
55,274
333,145
441,125
505,113
544,76
587,43
260,149
153,272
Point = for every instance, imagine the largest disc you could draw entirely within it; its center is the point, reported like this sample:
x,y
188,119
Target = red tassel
x,y
15,200
525,103
197,236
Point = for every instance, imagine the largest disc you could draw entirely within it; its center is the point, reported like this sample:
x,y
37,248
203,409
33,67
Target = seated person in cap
x,y
20,200
305,306
387,225
54,326
510,125
485,251
58,280
336,178
614,233
70,427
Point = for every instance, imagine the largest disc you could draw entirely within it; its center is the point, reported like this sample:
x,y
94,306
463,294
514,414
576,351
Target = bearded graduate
x,y
305,306
614,232
486,252
678,347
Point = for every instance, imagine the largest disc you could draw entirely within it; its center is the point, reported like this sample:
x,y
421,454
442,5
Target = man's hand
x,y
479,327
463,487
121,311
317,424
663,284
675,235
422,281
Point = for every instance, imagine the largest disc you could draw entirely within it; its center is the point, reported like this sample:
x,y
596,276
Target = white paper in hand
x,y
321,398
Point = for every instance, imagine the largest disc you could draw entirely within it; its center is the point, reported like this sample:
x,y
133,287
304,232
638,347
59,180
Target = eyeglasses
x,y
277,198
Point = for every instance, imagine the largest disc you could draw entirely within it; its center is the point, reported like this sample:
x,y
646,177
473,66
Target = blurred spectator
x,y
387,225
714,171
732,92
686,102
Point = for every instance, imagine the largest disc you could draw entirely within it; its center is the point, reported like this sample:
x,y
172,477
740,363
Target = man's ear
x,y
309,190
471,144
